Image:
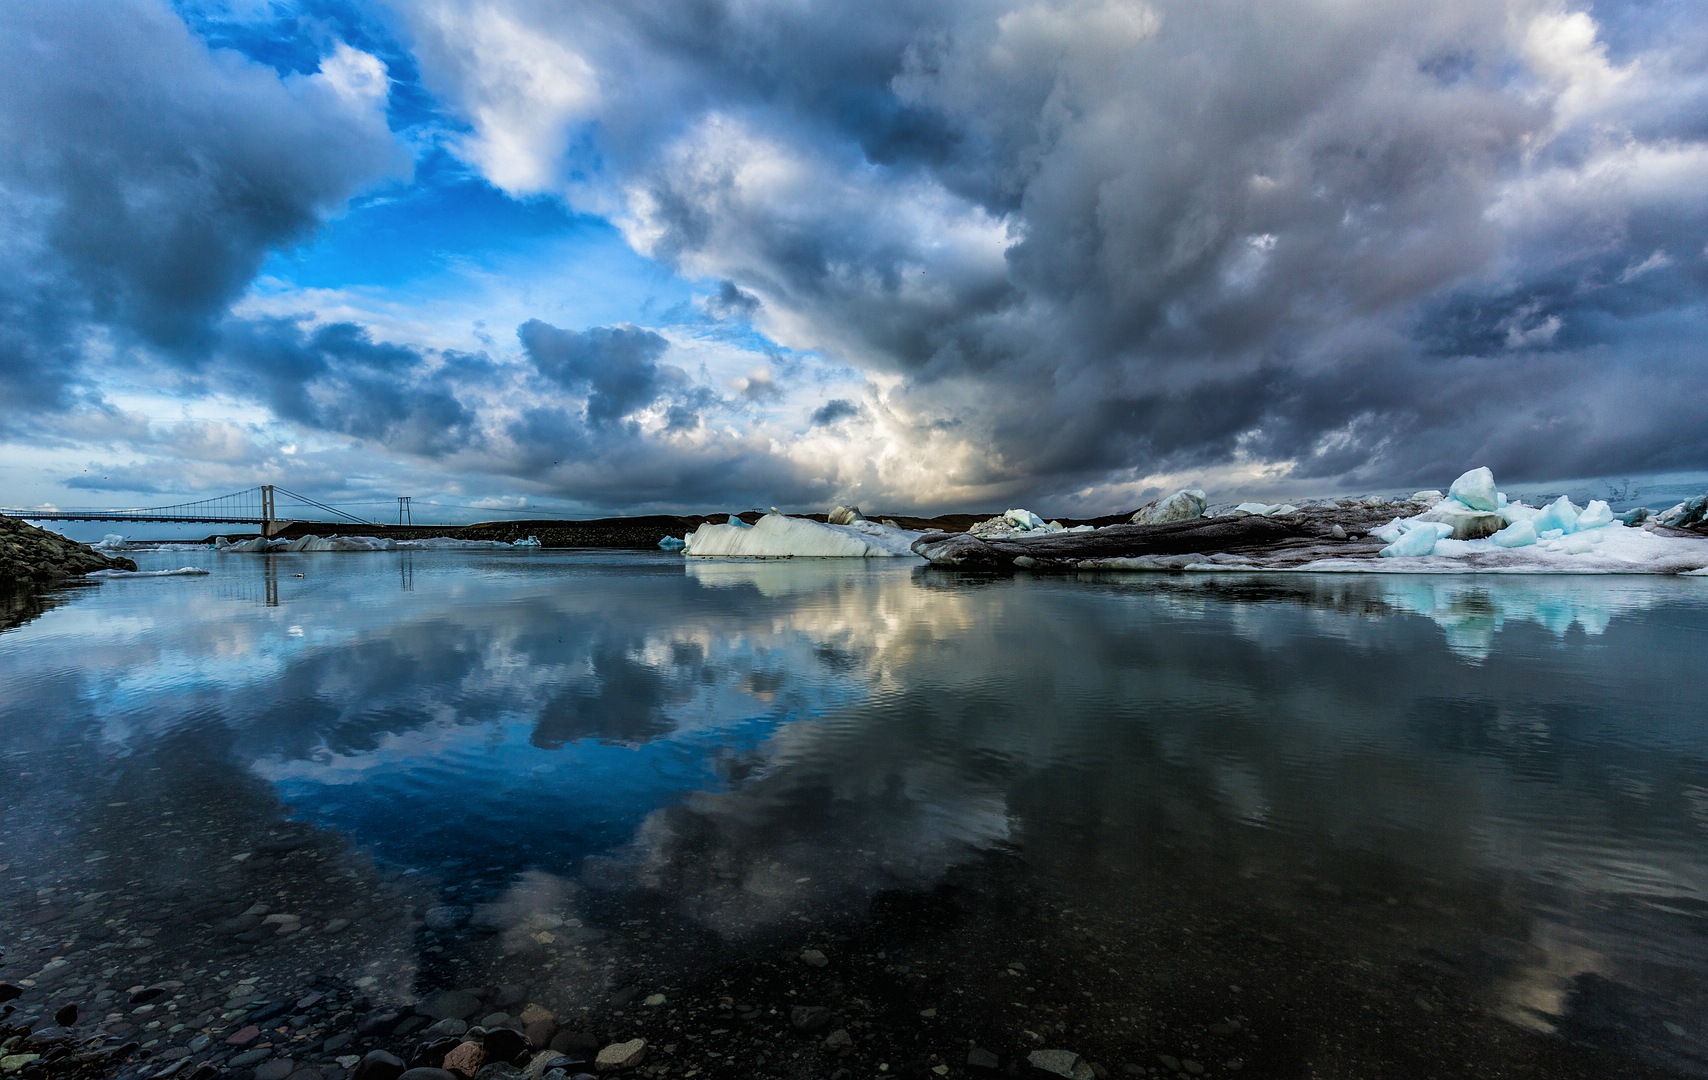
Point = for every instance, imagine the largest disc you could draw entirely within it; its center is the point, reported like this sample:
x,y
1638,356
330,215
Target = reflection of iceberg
x,y
790,577
778,536
1472,612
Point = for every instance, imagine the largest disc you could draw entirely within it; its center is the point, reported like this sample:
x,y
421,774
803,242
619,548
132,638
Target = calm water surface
x,y
1497,786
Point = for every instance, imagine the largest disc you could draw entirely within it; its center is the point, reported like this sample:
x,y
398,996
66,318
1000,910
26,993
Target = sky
x,y
522,256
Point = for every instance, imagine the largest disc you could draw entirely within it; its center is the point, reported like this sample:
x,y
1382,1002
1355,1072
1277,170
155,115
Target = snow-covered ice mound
x,y
776,536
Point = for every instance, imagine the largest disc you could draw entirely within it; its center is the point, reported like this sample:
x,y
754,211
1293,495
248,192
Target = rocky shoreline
x,y
31,557
33,561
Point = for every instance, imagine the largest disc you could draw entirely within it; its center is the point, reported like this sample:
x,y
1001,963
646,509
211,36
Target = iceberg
x,y
1518,534
1024,520
1466,522
1476,490
1183,505
1419,539
110,542
182,571
777,536
672,543
526,542
256,544
1561,514
1015,523
845,515
1595,516
1686,514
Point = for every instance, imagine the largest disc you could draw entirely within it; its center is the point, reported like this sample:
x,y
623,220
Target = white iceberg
x,y
182,571
111,542
1561,514
1518,534
1595,516
1024,520
1685,514
254,544
526,542
1476,490
1012,524
777,536
1183,505
1418,539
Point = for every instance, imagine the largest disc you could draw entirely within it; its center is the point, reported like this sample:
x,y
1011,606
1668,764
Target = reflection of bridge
x,y
253,506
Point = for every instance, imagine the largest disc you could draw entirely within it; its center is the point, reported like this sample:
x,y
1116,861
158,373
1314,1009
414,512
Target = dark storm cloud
x,y
143,179
337,378
729,302
834,411
622,466
616,366
1384,241
600,455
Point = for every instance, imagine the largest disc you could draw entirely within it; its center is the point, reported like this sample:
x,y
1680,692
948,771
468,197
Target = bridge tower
x,y
404,517
267,519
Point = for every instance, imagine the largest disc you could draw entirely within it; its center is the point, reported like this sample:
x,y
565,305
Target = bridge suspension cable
x,y
251,506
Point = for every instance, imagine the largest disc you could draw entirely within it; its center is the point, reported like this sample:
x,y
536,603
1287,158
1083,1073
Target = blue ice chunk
x,y
1595,515
1518,534
1560,514
1476,489
1418,540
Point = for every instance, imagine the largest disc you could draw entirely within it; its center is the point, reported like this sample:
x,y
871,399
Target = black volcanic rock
x,y
30,556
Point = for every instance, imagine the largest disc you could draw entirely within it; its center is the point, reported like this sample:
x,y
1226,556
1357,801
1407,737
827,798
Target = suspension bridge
x,y
258,506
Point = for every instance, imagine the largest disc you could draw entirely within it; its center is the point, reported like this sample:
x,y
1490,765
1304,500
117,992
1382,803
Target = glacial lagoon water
x,y
1275,825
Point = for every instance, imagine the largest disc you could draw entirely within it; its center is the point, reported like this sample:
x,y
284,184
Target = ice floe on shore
x,y
777,536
